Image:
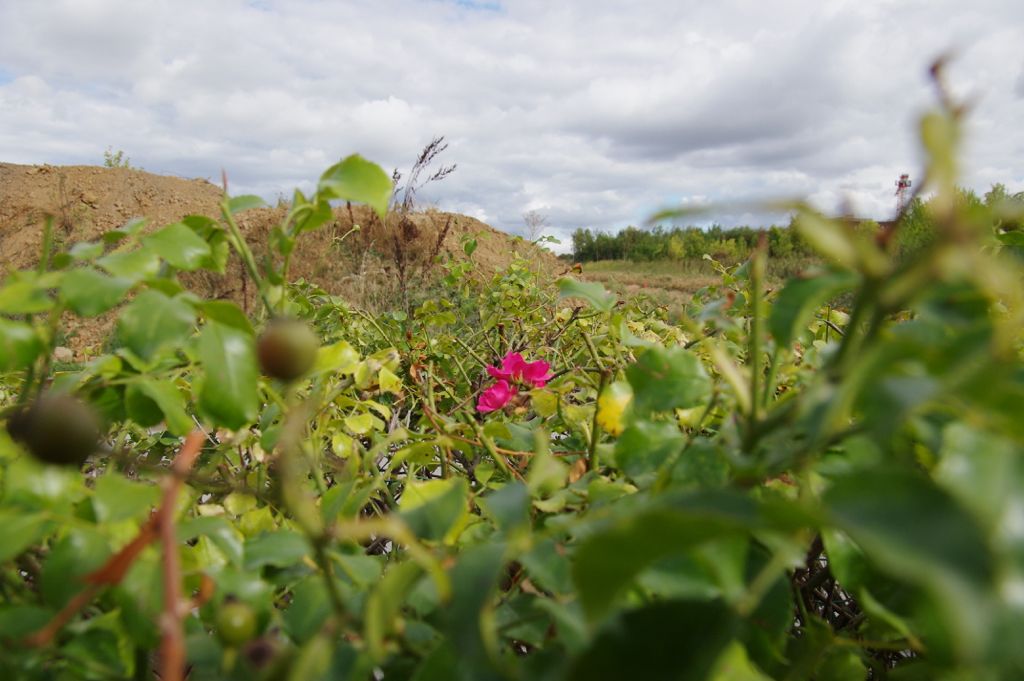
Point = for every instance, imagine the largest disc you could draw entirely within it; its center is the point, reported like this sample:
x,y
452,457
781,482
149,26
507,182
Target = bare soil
x,y
380,266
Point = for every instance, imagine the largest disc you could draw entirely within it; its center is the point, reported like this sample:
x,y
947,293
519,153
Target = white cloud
x,y
595,113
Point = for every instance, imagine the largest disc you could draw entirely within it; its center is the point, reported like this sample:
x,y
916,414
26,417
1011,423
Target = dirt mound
x,y
370,267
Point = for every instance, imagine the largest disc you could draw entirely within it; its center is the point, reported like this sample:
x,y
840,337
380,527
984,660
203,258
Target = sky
x,y
592,113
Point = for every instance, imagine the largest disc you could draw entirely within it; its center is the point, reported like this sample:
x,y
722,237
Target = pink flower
x,y
495,397
537,373
515,368
511,367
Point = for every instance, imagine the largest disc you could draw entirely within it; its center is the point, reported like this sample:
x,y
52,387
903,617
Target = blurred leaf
x,y
468,618
386,602
607,561
338,357
118,498
237,204
548,566
668,378
153,321
309,609
672,640
135,265
90,292
171,403
75,555
228,314
910,526
590,291
229,393
18,531
179,245
19,345
735,665
508,507
435,509
917,532
356,179
799,299
18,621
24,297
612,407
220,531
644,446
281,548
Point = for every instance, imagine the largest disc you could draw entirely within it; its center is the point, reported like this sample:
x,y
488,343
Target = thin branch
x,y
172,635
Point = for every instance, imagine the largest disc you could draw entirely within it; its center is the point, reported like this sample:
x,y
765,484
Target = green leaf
x,y
229,395
797,302
18,621
228,314
338,357
140,407
237,204
90,292
644,446
179,245
169,399
668,378
828,237
356,179
918,533
220,532
26,296
469,616
607,561
317,215
910,526
19,345
386,602
153,321
675,640
590,291
549,567
78,553
434,508
85,251
18,531
309,609
282,549
142,263
118,498
508,507
210,231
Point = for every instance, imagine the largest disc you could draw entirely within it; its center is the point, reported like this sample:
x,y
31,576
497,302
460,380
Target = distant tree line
x,y
681,243
732,244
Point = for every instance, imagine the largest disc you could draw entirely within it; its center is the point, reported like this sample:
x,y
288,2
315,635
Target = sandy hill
x,y
87,201
374,268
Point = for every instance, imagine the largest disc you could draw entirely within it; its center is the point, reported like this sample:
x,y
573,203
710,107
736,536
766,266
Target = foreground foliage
x,y
775,489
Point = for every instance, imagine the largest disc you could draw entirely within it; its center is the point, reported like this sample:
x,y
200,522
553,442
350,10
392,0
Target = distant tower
x,y
902,185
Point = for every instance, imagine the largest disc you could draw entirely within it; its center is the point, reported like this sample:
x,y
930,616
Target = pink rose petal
x,y
495,397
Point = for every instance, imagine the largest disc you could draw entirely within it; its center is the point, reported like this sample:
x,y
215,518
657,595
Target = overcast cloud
x,y
594,113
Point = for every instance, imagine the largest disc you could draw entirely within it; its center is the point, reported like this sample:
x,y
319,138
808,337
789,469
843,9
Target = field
x,y
673,282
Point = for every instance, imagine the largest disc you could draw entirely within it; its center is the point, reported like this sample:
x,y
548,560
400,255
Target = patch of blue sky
x,y
5,76
480,5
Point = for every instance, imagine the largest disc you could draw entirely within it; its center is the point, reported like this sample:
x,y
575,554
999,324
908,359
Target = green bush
x,y
523,481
